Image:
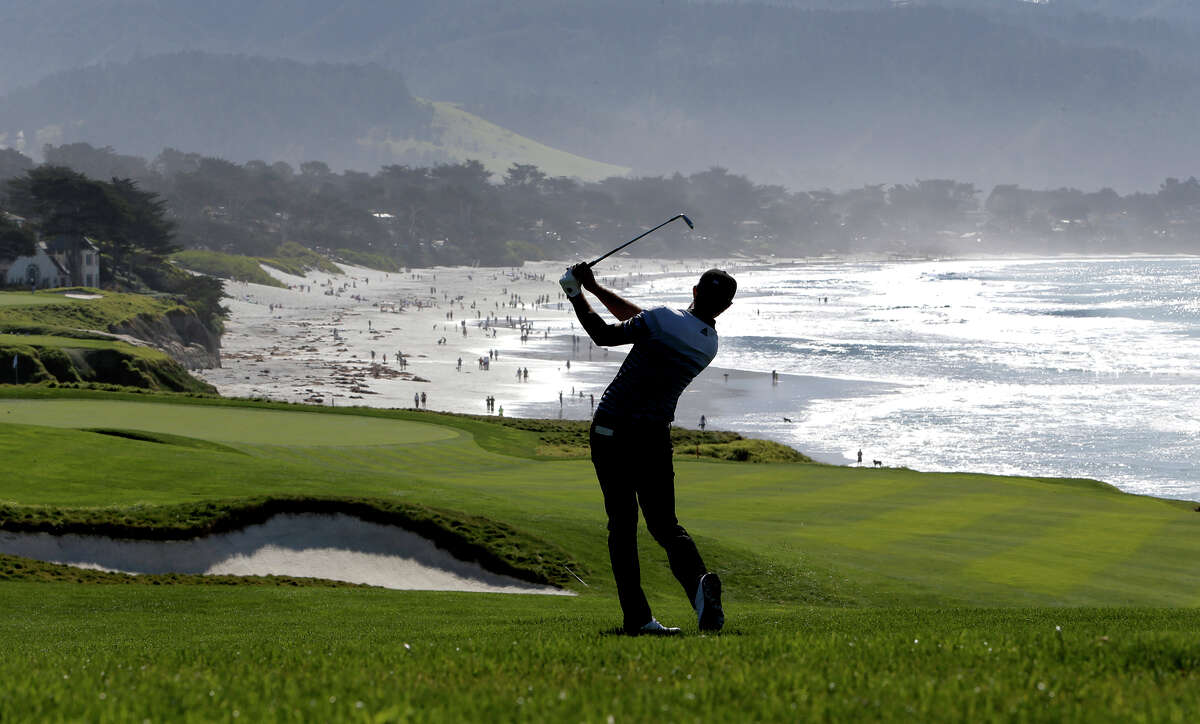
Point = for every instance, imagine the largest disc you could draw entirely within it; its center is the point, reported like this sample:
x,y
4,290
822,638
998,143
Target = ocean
x,y
1062,367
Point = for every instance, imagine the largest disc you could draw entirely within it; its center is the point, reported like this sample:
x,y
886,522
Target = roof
x,y
61,269
66,242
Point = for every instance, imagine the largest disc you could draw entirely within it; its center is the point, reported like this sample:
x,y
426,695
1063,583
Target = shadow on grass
x,y
620,632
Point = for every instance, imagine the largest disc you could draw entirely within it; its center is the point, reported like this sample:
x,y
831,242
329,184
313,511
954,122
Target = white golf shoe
x,y
654,628
708,603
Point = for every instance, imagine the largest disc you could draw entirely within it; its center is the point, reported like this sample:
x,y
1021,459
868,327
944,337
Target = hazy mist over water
x,y
1057,367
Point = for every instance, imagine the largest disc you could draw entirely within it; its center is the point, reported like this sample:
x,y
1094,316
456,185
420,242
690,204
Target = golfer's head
x,y
714,292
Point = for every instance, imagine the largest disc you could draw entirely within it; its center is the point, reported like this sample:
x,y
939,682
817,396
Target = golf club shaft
x,y
644,233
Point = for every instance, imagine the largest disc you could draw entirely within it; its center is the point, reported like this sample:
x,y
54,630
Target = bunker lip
x,y
337,547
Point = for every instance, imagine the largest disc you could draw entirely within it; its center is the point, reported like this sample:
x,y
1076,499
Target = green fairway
x,y
778,532
223,424
850,592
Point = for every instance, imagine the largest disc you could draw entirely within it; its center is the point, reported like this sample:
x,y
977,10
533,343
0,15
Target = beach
x,y
449,338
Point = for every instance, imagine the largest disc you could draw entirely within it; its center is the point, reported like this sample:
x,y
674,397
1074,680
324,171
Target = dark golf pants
x,y
634,467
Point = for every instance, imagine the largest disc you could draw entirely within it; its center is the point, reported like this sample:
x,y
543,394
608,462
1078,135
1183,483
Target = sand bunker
x,y
335,547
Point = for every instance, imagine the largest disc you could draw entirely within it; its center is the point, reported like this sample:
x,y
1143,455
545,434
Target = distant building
x,y
40,271
79,255
68,260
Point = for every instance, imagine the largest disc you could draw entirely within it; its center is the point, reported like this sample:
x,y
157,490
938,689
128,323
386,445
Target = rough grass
x,y
90,341
290,258
356,257
569,438
270,653
111,310
298,260
64,343
54,359
226,266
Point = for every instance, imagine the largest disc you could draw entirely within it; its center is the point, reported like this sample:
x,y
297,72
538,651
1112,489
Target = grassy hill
x,y
460,136
65,340
290,258
232,106
850,593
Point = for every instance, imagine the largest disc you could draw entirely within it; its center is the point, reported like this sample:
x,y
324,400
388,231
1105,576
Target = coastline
x,y
313,342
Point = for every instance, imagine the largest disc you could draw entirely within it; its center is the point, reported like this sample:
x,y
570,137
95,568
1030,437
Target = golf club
x,y
686,220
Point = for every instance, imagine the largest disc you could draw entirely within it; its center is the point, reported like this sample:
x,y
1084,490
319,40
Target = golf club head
x,y
687,221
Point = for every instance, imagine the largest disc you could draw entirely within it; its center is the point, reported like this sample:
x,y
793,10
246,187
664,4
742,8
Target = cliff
x,y
177,332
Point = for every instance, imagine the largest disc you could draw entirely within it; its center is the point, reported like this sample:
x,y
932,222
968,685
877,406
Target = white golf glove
x,y
570,284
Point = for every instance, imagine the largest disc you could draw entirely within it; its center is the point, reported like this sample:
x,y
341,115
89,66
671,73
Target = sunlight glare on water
x,y
1056,367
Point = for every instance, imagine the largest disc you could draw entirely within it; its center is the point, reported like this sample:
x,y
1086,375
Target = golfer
x,y
631,434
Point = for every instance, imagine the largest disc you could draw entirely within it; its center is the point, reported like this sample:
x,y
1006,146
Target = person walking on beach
x,y
631,434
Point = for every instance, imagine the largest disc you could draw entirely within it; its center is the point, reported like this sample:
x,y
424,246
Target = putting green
x,y
223,424
25,299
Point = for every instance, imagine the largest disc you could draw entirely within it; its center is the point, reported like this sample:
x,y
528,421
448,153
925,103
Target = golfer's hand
x,y
583,273
570,284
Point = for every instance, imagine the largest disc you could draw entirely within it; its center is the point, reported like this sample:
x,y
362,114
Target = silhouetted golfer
x,y
631,434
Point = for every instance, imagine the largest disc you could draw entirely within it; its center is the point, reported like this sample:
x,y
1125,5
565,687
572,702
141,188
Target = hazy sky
x,y
806,93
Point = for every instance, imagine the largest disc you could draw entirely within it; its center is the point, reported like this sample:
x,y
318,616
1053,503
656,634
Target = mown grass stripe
x,y
911,522
1069,554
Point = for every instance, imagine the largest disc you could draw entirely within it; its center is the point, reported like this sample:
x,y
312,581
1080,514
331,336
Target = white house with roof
x,y
64,260
39,271
79,256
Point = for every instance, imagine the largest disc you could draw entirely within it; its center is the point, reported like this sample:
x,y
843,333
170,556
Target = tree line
x,y
460,213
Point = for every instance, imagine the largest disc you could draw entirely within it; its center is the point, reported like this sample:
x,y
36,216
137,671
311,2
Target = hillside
x,y
234,107
245,108
809,93
457,135
104,338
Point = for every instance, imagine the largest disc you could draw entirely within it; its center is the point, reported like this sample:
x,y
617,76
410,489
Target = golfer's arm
x,y
619,307
601,332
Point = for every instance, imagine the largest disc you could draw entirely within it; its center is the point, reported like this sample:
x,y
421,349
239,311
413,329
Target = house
x,y
40,271
79,255
66,260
